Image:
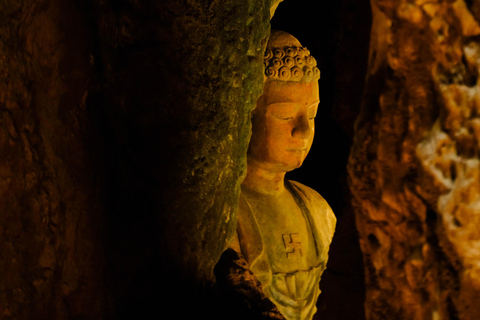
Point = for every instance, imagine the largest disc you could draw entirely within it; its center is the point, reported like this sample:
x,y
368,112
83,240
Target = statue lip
x,y
302,146
297,149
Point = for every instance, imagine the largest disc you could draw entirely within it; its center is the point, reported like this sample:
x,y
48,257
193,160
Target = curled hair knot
x,y
290,64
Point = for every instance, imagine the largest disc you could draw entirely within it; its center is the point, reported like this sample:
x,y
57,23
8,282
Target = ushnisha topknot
x,y
286,60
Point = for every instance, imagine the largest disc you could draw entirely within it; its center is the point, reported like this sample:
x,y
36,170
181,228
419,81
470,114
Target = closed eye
x,y
282,117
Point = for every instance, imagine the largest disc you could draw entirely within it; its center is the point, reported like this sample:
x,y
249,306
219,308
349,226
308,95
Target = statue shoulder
x,y
309,193
318,206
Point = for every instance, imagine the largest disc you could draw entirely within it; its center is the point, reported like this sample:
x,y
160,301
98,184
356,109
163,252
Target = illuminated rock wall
x,y
178,82
414,166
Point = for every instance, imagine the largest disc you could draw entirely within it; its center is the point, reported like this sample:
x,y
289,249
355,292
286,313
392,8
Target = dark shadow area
x,y
338,37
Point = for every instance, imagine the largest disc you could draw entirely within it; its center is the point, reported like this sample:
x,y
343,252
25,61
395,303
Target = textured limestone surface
x,y
178,82
414,165
51,256
123,135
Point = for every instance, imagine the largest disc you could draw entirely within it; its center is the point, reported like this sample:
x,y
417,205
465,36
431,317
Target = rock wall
x,y
123,134
177,82
52,257
414,164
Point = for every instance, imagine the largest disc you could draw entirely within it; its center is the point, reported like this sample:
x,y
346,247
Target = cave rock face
x,y
414,165
124,127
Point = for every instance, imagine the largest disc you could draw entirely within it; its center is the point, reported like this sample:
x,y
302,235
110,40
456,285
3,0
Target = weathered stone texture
x,y
414,166
123,135
51,256
178,82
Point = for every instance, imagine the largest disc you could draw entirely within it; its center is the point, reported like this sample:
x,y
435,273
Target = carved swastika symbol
x,y
292,245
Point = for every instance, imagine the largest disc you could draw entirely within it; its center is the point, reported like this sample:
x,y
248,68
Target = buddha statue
x,y
284,228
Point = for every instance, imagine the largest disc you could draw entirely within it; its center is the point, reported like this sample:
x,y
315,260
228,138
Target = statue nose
x,y
302,129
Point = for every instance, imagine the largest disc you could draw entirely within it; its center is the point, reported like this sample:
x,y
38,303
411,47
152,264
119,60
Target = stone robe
x,y
293,291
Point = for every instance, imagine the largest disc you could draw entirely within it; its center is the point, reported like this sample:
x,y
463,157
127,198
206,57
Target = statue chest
x,y
286,232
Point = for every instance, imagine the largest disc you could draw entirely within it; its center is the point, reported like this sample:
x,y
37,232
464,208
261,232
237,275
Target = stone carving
x,y
292,244
291,64
284,228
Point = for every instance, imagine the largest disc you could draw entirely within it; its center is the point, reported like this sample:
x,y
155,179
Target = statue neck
x,y
262,180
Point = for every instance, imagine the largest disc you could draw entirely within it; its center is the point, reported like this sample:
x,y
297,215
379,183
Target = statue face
x,y
283,125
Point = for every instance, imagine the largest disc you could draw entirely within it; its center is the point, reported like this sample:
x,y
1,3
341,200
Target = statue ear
x,y
259,105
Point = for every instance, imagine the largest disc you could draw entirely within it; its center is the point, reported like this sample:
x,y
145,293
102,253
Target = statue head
x,y
286,60
283,121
